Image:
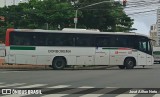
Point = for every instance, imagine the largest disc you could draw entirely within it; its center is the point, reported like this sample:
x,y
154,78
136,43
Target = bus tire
x,y
129,63
59,63
121,66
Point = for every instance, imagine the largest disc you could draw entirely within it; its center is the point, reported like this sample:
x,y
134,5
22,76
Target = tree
x,y
52,14
106,17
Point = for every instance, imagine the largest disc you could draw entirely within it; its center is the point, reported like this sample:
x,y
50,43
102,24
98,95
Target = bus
x,y
2,50
71,47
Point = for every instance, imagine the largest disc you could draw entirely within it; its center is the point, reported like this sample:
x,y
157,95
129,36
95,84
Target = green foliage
x,y
107,16
38,14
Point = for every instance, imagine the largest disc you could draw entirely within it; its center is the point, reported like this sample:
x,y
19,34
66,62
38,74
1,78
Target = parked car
x,y
156,54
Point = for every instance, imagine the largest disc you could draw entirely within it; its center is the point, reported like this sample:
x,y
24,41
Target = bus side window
x,y
142,45
84,40
69,40
102,41
122,41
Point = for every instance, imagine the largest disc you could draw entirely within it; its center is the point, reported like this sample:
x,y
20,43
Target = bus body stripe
x,y
8,36
118,48
111,48
124,49
22,48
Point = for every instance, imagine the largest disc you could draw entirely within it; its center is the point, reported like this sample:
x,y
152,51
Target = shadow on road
x,y
77,69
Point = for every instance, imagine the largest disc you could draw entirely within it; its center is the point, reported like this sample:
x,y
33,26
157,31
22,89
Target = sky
x,y
10,2
143,21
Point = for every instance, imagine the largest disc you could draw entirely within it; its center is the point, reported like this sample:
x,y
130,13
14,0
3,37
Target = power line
x,y
142,12
142,5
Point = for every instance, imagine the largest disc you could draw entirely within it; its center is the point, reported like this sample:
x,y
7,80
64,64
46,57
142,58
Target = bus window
x,y
84,40
102,41
39,39
150,50
144,45
62,39
124,41
21,38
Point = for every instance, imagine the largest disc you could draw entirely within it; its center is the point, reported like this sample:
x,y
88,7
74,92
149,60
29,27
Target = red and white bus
x,y
60,48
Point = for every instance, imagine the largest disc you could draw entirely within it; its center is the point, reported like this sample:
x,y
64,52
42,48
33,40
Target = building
x,y
155,30
158,26
11,2
154,35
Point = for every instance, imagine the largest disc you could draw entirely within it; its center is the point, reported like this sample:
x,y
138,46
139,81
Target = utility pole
x,y
47,25
5,3
14,2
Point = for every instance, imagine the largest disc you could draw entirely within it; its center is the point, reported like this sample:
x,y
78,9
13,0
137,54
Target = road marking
x,y
60,86
92,95
9,85
85,87
126,95
18,71
16,95
156,95
75,90
32,86
55,95
1,83
112,87
12,71
13,95
4,72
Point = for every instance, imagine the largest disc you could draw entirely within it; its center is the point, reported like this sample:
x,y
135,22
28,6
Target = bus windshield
x,y
144,45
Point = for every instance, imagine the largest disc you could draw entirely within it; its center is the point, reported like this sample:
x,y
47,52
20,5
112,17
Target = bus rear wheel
x,y
121,66
129,63
59,63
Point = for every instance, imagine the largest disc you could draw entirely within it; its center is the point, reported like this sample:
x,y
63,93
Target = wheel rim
x,y
59,64
130,63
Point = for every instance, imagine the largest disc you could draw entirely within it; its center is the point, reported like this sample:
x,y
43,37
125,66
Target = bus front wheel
x,y
129,63
59,63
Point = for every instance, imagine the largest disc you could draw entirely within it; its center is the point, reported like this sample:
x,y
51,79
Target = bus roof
x,y
84,31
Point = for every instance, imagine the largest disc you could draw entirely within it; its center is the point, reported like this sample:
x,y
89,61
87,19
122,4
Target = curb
x,y
46,67
22,66
35,67
91,67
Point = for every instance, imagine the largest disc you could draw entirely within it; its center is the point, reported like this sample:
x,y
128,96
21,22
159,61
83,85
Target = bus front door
x,y
141,58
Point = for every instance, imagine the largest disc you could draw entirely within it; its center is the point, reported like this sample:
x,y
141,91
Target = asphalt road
x,y
114,78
